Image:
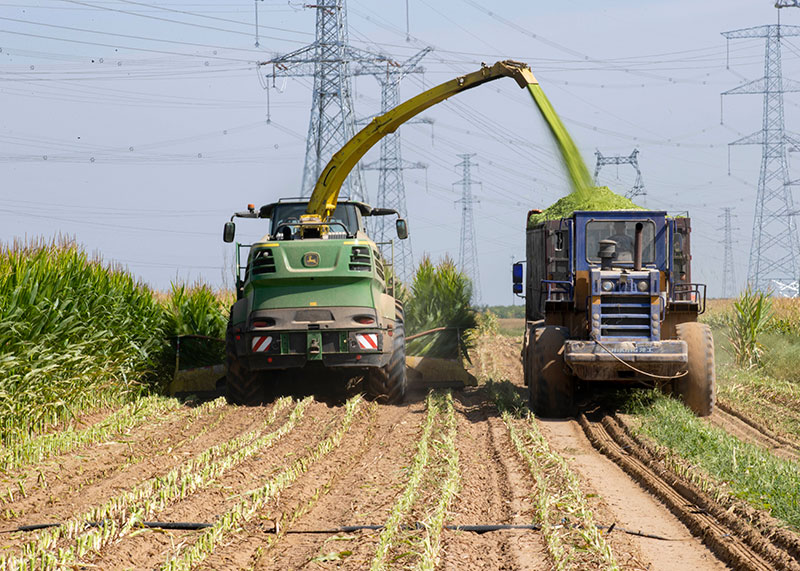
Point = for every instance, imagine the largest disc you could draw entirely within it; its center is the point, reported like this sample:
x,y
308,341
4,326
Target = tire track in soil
x,y
365,475
79,481
148,549
748,430
732,538
616,499
494,489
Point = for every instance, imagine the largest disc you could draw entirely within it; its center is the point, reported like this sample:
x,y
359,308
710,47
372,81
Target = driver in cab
x,y
624,242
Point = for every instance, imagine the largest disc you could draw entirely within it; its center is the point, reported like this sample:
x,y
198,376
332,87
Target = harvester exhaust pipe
x,y
637,247
606,253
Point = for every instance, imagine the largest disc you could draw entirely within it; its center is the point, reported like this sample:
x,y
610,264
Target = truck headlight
x,y
642,285
607,285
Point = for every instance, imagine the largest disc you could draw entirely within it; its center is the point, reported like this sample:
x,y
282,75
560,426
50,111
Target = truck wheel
x,y
387,384
697,389
551,389
242,385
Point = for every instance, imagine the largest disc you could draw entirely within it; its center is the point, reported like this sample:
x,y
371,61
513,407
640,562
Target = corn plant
x,y
254,500
449,475
441,297
572,537
752,312
402,506
122,513
35,448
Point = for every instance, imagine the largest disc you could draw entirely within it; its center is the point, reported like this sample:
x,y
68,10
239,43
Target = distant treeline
x,y
505,311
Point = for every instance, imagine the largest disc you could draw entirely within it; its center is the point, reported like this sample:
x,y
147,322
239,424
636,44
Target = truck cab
x,y
608,298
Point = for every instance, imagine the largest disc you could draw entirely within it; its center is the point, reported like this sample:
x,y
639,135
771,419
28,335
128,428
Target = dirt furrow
x,y
147,549
731,539
492,492
74,483
362,494
748,430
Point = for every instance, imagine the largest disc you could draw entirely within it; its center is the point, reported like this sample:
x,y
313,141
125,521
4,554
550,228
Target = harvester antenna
x,y
332,121
774,249
632,159
729,288
390,165
468,247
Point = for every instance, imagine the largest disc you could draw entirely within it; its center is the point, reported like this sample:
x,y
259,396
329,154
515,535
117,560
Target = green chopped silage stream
x,y
584,195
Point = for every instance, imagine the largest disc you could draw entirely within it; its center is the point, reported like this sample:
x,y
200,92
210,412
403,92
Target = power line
x,y
468,247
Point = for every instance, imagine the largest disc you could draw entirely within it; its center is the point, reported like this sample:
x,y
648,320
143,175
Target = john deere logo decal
x,y
311,260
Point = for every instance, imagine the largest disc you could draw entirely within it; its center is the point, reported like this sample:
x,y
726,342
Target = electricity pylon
x,y
728,273
632,159
390,164
774,250
332,122
468,248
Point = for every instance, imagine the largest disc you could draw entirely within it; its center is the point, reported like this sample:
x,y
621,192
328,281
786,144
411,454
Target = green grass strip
x,y
247,508
752,472
448,473
572,537
40,447
403,504
127,510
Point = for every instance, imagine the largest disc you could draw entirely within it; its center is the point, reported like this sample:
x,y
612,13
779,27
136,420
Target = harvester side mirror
x,y
402,228
516,277
228,232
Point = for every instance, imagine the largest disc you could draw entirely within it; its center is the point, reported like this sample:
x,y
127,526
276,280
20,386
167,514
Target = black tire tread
x,y
242,385
698,389
551,389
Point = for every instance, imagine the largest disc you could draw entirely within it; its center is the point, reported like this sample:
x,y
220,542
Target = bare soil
x,y
357,483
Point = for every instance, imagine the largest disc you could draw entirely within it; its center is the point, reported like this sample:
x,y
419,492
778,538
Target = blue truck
x,y
609,299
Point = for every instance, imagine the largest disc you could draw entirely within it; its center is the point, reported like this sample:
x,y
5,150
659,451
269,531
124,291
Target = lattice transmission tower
x,y
468,247
328,60
390,164
633,160
728,271
774,249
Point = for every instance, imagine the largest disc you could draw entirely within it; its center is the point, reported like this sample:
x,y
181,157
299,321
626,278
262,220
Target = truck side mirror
x,y
229,232
516,277
402,228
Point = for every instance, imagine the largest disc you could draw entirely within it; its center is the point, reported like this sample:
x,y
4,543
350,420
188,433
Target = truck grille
x,y
625,316
263,262
359,259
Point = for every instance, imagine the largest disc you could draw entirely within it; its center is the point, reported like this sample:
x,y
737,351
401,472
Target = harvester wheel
x,y
242,384
698,388
387,384
551,389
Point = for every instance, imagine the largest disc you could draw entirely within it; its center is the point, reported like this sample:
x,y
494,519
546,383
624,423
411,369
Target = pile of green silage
x,y
601,198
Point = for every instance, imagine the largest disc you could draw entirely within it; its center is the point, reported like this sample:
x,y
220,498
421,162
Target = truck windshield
x,y
290,212
622,232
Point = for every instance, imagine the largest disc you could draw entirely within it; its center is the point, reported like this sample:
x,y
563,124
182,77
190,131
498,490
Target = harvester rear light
x,y
263,323
364,319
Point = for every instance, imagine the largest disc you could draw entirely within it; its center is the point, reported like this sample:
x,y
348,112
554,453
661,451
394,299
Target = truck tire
x,y
697,389
387,384
551,390
242,385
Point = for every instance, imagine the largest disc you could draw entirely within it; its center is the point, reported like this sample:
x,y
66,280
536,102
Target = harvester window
x,y
622,232
289,214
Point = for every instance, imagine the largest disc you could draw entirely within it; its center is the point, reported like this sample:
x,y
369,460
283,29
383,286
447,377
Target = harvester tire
x,y
697,389
387,384
551,389
242,384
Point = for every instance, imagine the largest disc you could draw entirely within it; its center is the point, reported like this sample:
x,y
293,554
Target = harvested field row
x,y
730,536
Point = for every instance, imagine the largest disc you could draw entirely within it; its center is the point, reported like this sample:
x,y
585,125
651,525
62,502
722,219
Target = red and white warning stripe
x,y
261,343
367,340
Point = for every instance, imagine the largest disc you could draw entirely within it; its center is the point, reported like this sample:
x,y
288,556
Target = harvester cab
x,y
609,297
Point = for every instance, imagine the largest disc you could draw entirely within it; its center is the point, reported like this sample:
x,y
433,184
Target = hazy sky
x,y
138,127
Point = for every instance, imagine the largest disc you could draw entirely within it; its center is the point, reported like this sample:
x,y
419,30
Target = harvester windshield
x,y
288,214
